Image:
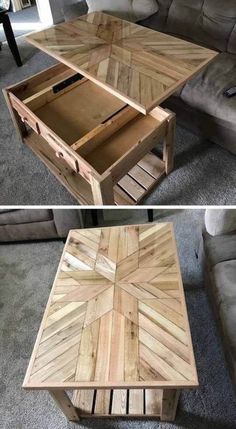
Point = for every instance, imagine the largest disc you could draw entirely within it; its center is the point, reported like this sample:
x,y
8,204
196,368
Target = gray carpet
x,y
204,172
24,21
27,271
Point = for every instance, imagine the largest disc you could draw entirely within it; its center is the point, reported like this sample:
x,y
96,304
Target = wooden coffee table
x,y
94,118
115,329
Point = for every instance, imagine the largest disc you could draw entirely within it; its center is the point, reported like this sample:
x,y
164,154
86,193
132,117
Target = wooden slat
x,y
141,176
86,362
102,402
153,401
131,187
152,165
136,402
104,348
121,198
117,347
119,402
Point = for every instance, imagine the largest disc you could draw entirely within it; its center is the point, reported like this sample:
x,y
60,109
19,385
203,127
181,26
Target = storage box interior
x,y
78,111
74,111
114,147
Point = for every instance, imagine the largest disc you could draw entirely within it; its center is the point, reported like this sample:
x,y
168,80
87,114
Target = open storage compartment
x,y
95,133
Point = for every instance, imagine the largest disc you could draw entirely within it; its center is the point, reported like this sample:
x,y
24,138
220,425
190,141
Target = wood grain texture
x,y
140,66
116,317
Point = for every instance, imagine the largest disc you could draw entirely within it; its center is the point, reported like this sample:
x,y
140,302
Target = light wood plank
x,y
136,402
119,402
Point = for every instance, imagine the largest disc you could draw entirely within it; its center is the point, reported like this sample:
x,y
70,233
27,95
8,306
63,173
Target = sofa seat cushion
x,y
205,91
220,248
224,275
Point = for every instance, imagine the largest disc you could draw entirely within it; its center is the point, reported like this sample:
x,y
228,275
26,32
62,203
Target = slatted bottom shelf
x,y
108,403
140,180
129,191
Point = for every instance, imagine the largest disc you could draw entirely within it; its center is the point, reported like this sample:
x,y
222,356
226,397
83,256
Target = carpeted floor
x,y
24,21
204,172
27,271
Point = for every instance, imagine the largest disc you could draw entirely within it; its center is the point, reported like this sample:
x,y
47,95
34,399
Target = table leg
x,y
150,215
169,142
169,404
64,403
11,39
102,190
19,125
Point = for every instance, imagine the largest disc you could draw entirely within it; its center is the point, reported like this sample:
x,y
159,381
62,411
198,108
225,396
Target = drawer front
x,y
26,116
59,148
53,140
62,152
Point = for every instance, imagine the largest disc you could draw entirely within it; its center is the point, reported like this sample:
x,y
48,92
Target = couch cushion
x,y
28,231
232,42
220,248
205,91
131,10
25,216
224,275
158,20
206,22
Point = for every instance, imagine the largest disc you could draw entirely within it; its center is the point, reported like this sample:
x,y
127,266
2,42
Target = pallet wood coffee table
x,y
94,118
115,329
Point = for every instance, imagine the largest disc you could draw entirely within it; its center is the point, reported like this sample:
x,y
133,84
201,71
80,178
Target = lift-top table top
x,y
141,66
116,316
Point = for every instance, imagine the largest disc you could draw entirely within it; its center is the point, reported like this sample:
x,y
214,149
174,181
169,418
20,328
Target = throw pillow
x,y
130,10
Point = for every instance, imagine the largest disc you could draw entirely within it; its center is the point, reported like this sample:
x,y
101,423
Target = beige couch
x,y
38,224
219,246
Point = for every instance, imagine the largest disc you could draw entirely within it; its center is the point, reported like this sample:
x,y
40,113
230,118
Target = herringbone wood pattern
x,y
139,65
116,315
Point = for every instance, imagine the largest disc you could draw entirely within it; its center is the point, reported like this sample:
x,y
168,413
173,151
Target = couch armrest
x,y
220,221
67,219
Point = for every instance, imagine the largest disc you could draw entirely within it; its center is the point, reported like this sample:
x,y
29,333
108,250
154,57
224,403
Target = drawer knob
x,y
59,155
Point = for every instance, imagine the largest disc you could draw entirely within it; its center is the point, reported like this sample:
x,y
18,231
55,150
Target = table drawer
x,y
25,114
92,130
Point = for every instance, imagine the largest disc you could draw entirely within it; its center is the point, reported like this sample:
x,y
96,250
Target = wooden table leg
x,y
150,215
169,143
11,39
19,125
103,192
169,404
64,403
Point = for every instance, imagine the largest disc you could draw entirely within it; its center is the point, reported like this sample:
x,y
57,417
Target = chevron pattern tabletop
x,y
141,66
116,316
